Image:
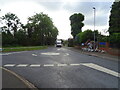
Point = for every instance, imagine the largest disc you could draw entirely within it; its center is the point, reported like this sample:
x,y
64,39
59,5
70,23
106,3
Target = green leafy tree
x,y
86,35
21,37
7,38
114,22
12,23
114,25
76,23
41,30
11,26
115,40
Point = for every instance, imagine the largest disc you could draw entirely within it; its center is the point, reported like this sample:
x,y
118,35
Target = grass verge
x,y
29,48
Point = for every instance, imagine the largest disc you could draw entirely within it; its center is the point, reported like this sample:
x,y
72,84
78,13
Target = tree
x,y
21,37
76,23
41,30
114,22
115,40
38,31
82,37
10,29
12,23
7,38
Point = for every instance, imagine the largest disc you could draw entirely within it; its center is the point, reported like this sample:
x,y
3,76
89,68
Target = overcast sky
x,y
60,11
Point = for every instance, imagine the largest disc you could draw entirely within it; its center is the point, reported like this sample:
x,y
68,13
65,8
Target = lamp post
x,y
94,26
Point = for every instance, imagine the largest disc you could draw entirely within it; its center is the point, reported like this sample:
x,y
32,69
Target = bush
x,y
84,36
115,39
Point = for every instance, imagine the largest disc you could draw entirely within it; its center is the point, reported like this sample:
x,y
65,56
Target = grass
x,y
20,48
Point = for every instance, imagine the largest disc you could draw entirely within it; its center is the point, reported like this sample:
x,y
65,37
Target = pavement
x,y
64,67
11,80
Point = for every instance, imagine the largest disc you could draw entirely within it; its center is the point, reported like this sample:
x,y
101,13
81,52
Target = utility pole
x,y
94,26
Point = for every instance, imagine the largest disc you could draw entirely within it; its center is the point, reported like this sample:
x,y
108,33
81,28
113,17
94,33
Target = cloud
x,y
60,11
86,8
52,6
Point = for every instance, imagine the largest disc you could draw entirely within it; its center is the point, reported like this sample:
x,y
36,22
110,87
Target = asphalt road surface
x,y
62,68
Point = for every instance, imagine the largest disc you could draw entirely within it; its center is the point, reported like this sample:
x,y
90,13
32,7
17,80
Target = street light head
x,y
93,7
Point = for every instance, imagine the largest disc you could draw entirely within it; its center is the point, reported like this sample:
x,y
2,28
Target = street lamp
x,y
94,26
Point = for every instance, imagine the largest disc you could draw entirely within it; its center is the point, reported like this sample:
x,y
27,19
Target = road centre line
x,y
100,68
22,65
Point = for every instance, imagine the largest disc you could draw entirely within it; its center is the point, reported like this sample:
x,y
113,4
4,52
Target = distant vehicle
x,y
58,43
1,49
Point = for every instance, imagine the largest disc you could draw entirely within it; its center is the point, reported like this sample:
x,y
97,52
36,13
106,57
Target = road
x,y
62,68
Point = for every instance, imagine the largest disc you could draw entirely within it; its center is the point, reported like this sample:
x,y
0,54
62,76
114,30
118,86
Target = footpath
x,y
96,54
12,81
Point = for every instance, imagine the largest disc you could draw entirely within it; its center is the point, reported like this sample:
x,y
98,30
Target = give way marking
x,y
102,69
90,65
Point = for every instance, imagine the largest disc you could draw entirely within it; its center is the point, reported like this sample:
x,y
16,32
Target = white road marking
x,y
35,65
62,65
66,54
75,64
58,49
9,65
100,68
90,65
50,53
34,55
22,65
48,65
5,53
12,53
63,49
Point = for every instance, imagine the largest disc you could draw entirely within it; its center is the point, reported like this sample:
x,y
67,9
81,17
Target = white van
x,y
58,43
